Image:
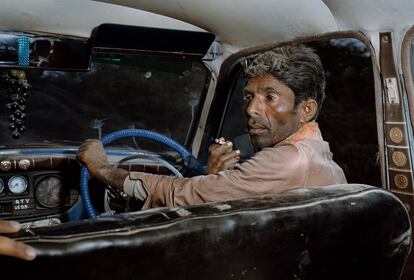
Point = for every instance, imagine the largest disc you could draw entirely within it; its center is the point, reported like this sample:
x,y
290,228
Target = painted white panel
x,y
248,22
372,15
76,17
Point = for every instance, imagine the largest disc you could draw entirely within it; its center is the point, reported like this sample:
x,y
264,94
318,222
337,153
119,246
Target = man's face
x,y
270,111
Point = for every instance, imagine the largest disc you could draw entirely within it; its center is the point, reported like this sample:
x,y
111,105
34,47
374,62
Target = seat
x,y
337,232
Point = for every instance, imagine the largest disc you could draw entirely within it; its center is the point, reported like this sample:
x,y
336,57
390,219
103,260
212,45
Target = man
x,y
283,95
9,247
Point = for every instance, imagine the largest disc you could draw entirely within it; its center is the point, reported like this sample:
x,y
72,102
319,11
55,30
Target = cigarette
x,y
220,141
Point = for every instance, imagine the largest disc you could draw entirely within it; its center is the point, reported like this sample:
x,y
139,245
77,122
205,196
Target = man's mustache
x,y
256,123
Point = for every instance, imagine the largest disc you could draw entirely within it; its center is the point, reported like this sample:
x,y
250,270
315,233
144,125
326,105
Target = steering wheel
x,y
122,200
189,159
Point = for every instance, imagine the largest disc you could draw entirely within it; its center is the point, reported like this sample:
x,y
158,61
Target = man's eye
x,y
270,97
247,97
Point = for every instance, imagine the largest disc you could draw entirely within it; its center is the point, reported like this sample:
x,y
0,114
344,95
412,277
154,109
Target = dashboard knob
x,y
5,165
24,164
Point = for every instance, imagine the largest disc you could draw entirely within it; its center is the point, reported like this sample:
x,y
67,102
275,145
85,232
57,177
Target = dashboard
x,y
35,187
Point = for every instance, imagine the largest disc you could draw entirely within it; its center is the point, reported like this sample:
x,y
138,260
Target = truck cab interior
x,y
157,83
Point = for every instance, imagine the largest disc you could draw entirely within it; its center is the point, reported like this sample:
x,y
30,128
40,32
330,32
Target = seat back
x,y
337,232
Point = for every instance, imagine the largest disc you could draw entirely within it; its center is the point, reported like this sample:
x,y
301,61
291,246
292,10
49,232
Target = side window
x,y
348,117
234,123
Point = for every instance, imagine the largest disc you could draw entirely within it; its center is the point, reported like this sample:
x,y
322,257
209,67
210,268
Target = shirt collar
x,y
309,130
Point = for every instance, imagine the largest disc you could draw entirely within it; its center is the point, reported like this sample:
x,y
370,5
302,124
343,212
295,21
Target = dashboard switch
x,y
24,164
5,165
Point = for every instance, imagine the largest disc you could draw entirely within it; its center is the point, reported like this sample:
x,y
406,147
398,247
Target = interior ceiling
x,y
238,24
248,23
76,17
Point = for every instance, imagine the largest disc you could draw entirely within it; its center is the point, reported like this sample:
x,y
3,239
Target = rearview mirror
x,y
18,50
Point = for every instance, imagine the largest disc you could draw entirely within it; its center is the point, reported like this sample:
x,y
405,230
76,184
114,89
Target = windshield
x,y
155,93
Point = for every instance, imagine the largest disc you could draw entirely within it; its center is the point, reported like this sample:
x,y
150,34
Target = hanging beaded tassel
x,y
18,91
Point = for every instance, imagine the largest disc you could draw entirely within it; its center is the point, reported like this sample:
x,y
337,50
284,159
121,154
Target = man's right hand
x,y
10,247
222,157
92,154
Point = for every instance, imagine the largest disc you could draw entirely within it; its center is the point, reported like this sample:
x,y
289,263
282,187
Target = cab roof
x,y
238,24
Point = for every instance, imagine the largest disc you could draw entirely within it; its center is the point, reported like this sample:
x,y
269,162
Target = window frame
x,y
229,70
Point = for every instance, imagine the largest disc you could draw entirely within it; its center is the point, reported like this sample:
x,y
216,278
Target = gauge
x,y
17,184
50,192
1,185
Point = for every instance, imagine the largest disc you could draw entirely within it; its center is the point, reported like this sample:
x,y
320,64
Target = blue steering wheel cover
x,y
191,161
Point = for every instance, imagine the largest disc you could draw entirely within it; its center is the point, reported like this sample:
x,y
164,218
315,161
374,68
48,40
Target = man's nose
x,y
253,108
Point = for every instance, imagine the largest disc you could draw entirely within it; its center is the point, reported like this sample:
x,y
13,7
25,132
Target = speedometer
x,y
50,192
17,184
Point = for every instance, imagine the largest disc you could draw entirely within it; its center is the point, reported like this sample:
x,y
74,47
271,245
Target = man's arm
x,y
271,170
10,247
92,154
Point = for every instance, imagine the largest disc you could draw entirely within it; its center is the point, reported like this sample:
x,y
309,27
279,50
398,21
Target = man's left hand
x,y
222,157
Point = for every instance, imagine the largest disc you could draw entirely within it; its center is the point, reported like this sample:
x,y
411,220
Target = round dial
x,y
17,184
1,185
50,192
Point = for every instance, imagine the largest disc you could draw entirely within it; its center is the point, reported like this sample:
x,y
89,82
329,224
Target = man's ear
x,y
308,110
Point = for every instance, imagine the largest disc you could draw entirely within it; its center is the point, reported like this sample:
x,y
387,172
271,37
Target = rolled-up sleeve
x,y
271,170
133,187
